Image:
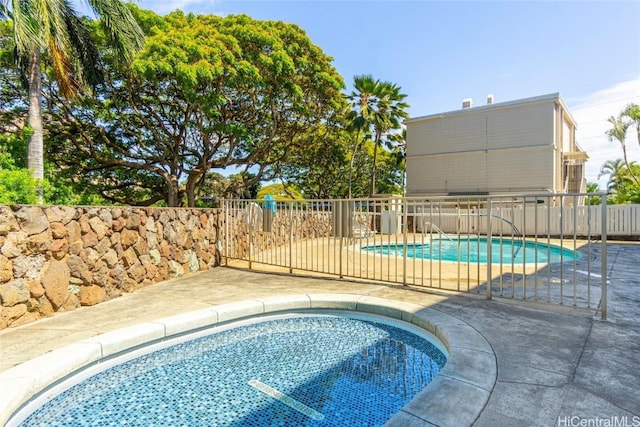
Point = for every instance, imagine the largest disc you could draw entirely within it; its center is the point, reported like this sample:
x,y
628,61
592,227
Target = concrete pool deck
x,y
555,366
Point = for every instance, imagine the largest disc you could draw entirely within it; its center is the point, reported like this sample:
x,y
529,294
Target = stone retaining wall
x,y
56,258
285,227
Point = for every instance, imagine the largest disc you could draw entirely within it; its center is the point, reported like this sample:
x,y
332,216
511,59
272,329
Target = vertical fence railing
x,y
489,249
534,247
603,264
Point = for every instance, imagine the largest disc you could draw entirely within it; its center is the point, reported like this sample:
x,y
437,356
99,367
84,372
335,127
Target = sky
x,y
441,52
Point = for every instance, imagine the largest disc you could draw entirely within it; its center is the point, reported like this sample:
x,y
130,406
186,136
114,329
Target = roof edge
x,y
547,97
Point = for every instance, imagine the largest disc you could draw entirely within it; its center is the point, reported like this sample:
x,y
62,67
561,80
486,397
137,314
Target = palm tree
x,y
615,169
53,28
397,143
375,105
388,114
619,133
593,187
359,114
620,183
632,111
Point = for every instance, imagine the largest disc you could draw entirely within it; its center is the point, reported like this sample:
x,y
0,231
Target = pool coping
x,y
456,396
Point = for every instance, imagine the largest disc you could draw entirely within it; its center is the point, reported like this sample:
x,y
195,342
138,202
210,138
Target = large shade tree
x,y
319,170
206,94
52,30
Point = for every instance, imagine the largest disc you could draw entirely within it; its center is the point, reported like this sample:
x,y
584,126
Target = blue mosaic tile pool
x,y
301,371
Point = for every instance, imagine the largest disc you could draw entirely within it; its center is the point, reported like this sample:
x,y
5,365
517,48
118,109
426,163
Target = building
x,y
522,146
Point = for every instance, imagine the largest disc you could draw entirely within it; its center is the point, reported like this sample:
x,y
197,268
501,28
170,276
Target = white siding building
x,y
519,146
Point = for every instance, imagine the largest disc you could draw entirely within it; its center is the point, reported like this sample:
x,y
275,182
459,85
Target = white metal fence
x,y
535,247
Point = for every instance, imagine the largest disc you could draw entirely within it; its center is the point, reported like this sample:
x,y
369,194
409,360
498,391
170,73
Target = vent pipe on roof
x,y
467,103
490,99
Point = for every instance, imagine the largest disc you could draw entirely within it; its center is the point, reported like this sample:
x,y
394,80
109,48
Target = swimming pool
x,y
311,369
474,249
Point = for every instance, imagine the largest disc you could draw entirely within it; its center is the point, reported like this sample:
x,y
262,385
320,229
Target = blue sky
x,y
443,52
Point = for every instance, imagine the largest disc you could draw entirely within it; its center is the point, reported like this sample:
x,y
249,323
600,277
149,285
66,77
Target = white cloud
x,y
591,113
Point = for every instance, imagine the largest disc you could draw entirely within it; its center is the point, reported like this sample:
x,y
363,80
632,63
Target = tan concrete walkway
x,y
202,290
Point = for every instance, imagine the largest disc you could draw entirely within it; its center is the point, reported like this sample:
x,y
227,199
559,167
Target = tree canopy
x,y
624,182
206,96
206,93
50,31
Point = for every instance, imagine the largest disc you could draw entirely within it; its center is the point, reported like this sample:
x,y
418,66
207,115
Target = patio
x,y
555,366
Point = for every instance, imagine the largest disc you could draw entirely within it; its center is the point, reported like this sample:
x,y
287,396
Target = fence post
x,y
405,208
347,220
225,204
291,204
603,256
489,275
338,234
249,213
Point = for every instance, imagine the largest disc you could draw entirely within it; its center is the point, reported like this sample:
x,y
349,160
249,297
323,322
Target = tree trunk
x,y
173,192
190,188
191,195
353,156
35,153
373,171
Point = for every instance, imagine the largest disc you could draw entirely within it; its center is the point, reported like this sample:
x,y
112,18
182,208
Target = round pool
x,y
474,249
314,369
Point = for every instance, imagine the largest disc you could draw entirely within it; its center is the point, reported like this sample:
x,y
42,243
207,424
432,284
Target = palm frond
x,y
5,12
64,71
85,51
27,29
121,26
62,56
619,130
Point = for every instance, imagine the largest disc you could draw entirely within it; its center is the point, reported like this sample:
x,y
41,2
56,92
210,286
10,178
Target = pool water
x,y
311,370
474,249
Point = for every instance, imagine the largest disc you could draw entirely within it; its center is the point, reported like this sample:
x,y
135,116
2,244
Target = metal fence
x,y
545,248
